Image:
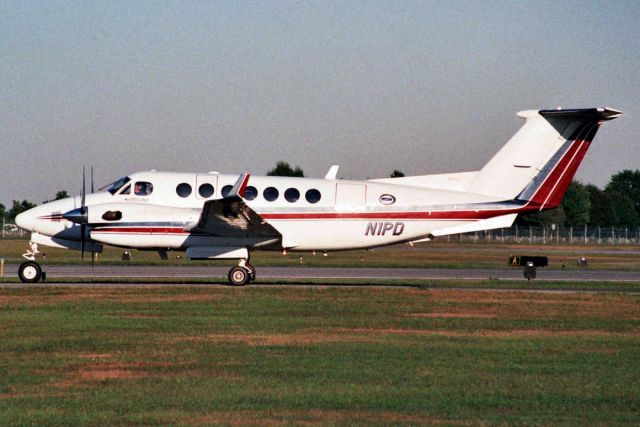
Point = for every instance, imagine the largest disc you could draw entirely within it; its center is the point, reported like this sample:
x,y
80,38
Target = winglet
x,y
333,172
240,186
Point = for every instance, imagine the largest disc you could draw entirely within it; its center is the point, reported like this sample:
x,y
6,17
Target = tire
x,y
29,272
529,273
238,276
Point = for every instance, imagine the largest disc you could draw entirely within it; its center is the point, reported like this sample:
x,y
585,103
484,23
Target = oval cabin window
x,y
225,190
250,193
205,190
312,196
292,195
183,190
270,194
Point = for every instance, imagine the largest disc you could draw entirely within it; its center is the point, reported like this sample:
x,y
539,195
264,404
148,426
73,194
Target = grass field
x,y
317,356
438,254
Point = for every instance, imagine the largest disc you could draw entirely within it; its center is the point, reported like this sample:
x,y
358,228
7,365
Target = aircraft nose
x,y
26,220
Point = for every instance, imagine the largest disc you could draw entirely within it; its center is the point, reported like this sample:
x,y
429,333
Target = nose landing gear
x,y
31,252
30,271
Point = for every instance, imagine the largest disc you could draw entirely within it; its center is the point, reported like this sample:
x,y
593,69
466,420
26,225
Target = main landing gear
x,y
242,274
30,271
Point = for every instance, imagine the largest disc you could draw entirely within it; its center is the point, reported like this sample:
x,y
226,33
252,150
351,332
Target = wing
x,y
232,217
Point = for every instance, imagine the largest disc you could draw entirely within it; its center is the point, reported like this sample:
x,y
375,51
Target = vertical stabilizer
x,y
540,160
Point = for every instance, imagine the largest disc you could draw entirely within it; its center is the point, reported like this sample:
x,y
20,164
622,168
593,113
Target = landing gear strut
x,y
32,252
242,274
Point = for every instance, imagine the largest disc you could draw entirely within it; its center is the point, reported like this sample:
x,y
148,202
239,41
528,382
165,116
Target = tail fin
x,y
540,160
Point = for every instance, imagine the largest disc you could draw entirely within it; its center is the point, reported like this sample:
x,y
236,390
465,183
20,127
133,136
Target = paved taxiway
x,y
219,273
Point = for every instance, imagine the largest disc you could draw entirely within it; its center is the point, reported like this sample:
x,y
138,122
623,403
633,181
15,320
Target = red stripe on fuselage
x,y
428,215
363,216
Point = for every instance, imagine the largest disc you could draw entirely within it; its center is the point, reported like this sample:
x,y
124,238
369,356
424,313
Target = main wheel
x,y
29,272
239,276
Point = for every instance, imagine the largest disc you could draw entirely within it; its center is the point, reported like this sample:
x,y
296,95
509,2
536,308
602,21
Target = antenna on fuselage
x,y
332,173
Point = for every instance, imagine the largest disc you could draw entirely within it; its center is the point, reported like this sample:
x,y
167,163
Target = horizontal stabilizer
x,y
587,114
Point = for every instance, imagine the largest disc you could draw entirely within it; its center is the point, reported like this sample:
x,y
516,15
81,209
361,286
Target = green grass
x,y
494,284
283,355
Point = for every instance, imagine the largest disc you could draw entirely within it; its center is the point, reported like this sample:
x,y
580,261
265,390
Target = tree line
x,y
617,205
20,206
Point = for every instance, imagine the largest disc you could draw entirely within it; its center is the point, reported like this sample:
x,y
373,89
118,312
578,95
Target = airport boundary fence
x,y
11,231
587,235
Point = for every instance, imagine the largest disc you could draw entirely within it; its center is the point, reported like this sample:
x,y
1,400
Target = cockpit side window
x,y
143,188
118,184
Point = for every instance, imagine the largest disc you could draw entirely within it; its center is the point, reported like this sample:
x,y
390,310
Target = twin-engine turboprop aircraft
x,y
213,216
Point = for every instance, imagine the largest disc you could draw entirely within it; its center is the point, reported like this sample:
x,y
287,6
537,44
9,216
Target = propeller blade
x,y
84,190
92,190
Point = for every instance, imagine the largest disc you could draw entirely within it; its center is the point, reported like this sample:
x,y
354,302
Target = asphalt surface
x,y
292,273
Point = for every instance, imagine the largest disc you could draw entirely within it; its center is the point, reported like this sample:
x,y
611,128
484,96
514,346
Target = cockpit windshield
x,y
118,185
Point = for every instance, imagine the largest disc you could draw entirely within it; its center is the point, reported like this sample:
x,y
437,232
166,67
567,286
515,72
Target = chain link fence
x,y
12,231
586,235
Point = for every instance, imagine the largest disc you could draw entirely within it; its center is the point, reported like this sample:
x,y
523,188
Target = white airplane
x,y
214,216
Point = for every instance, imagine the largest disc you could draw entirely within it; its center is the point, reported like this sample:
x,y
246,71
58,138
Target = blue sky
x,y
424,87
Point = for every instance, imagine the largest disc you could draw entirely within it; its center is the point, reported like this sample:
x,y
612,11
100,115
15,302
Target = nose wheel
x,y
31,272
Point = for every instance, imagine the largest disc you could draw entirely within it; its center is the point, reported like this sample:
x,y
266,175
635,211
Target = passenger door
x,y
350,195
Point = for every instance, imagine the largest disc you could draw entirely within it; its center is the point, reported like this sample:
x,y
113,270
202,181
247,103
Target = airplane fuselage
x,y
310,214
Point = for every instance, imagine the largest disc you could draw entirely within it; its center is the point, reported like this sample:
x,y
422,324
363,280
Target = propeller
x,y
84,212
81,216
